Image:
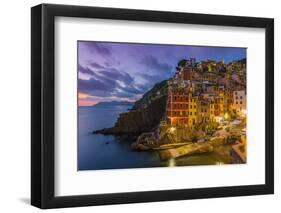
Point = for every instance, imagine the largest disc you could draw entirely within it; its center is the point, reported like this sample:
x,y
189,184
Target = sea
x,y
99,152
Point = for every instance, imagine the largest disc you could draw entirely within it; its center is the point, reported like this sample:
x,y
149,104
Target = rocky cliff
x,y
145,114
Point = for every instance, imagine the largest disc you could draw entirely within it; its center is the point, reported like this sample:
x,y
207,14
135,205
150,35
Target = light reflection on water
x,y
219,163
171,162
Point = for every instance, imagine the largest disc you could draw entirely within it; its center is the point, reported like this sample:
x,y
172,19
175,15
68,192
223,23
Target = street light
x,y
226,116
172,129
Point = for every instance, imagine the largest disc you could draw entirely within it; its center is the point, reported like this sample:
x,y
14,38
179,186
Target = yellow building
x,y
193,105
212,112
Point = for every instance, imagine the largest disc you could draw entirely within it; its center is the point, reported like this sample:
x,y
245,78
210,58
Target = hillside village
x,y
201,107
206,91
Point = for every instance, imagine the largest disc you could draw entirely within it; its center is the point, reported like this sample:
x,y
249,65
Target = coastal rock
x,y
145,115
138,121
138,146
186,150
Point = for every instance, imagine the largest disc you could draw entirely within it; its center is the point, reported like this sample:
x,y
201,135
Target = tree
x,y
181,63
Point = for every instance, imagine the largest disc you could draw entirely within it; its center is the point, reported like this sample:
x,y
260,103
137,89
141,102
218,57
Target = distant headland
x,y
113,103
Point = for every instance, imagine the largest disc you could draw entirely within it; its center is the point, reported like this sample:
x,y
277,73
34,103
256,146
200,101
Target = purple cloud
x,y
154,65
108,82
131,69
85,70
96,65
98,48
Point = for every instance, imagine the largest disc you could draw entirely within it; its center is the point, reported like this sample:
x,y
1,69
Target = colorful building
x,y
193,110
204,92
178,106
239,102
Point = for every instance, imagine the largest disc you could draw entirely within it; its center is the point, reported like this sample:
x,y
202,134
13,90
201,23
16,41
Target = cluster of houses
x,y
206,91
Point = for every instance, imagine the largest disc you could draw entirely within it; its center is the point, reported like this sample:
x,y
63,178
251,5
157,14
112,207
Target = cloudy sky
x,y
125,71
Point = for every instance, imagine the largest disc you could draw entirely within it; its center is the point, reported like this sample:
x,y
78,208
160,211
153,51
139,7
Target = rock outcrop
x,y
145,115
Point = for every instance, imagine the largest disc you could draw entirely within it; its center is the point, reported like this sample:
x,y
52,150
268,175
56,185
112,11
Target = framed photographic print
x,y
139,106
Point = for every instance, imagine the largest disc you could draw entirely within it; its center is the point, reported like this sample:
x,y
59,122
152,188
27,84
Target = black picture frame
x,y
43,110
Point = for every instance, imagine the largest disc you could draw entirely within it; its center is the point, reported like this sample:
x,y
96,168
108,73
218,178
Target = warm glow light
x,y
171,162
219,163
218,119
244,112
172,129
226,116
86,102
83,95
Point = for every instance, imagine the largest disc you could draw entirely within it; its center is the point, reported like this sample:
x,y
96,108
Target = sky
x,y
110,71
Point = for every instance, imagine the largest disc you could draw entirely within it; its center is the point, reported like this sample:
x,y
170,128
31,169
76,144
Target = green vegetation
x,y
159,90
182,62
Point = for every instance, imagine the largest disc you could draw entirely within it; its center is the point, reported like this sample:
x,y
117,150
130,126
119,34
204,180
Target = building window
x,y
190,106
240,102
236,102
180,112
240,97
181,106
190,113
175,98
180,98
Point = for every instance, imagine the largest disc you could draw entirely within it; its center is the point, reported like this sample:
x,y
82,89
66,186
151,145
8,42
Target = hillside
x,y
145,114
159,89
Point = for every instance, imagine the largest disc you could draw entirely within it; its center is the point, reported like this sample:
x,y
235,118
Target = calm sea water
x,y
96,151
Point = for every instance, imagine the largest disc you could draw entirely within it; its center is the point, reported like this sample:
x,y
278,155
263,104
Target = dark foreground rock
x,y
140,120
